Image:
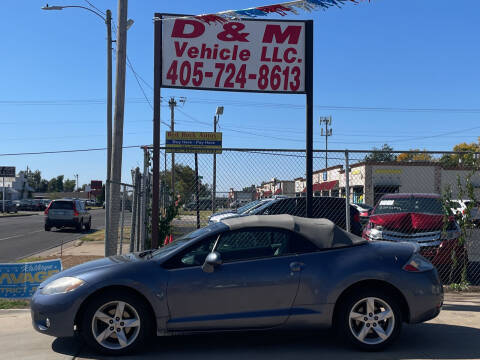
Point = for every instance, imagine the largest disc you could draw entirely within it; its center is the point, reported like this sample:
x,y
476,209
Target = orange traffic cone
x,y
171,239
166,241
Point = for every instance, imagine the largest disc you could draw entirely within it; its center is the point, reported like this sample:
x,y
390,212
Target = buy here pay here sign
x,y
246,55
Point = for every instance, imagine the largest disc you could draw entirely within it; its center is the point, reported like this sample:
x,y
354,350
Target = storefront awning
x,y
267,193
278,192
324,186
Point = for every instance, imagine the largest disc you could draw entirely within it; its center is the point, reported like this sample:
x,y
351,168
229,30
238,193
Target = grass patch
x,y
99,235
14,304
31,259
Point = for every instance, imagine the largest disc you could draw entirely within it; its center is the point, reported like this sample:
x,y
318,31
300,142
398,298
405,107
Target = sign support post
x,y
3,196
156,132
309,114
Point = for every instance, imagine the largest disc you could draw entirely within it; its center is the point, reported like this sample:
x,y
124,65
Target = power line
x,y
66,151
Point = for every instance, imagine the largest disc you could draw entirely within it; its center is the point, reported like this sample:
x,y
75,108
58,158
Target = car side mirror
x,y
211,261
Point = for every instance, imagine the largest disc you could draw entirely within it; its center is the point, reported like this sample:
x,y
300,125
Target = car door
x,y
254,287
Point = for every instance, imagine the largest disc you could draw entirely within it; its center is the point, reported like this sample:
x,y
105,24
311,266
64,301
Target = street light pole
x,y
216,119
108,21
327,120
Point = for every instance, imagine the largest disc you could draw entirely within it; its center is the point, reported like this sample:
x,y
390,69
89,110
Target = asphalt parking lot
x,y
455,334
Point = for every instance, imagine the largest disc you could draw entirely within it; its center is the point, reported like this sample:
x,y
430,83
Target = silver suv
x,y
67,213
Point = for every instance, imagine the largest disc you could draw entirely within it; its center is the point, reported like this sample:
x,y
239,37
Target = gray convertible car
x,y
256,272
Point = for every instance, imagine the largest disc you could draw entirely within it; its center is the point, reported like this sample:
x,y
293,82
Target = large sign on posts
x,y
7,171
194,142
247,55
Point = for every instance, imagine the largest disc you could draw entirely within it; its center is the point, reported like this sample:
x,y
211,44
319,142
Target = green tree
x,y
468,159
52,185
60,183
251,189
385,156
418,156
69,185
185,183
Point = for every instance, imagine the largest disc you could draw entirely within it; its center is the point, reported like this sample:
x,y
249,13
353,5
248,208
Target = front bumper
x,y
59,309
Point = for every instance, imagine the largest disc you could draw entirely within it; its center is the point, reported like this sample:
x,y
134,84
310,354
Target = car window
x,y
192,256
62,205
253,244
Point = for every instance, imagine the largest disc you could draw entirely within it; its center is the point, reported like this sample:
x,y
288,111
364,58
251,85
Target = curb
x,y
19,215
13,311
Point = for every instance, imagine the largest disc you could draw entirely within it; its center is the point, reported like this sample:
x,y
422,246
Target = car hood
x,y
100,264
408,221
223,216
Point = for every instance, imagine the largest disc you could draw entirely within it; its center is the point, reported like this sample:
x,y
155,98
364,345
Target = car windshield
x,y
247,207
62,205
410,204
167,249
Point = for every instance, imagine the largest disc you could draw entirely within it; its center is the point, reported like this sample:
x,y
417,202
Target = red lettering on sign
x,y
179,50
224,54
232,32
193,52
286,56
292,33
244,55
180,27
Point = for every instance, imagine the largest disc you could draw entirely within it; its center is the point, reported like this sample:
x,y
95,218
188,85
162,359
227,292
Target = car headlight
x,y
62,285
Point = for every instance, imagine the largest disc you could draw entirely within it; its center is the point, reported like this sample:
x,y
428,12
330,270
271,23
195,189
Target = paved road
x,y
24,236
455,334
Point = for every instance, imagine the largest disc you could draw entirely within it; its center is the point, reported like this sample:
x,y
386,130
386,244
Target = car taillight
x,y
356,217
364,214
48,208
75,212
417,263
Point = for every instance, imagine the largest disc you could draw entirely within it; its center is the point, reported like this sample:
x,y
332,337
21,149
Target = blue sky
x,y
384,54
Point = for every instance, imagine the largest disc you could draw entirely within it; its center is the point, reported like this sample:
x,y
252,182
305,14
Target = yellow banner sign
x,y
194,142
388,171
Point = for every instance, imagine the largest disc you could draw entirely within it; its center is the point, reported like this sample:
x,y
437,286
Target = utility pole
x,y
327,120
117,143
108,22
76,182
172,103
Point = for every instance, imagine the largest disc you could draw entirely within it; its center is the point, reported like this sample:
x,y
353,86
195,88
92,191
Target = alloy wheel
x,y
371,320
115,325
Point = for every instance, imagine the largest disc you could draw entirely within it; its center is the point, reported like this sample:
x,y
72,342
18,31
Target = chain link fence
x,y
428,198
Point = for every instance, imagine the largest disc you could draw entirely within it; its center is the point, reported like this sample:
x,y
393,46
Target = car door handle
x,y
296,266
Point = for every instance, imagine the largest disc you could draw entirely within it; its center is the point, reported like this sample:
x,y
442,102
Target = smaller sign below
x,y
7,171
194,142
20,281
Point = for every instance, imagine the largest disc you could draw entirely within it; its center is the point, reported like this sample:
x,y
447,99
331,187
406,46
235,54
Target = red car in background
x,y
419,218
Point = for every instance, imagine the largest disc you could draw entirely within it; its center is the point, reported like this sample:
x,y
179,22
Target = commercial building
x,y
275,187
369,181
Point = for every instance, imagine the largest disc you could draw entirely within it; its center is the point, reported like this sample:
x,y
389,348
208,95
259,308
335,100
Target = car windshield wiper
x,y
146,252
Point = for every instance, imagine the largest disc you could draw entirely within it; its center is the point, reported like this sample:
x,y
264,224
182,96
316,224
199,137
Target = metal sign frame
x,y
159,23
7,171
308,91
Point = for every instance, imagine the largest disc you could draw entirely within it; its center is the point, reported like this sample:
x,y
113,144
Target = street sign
x,y
248,55
194,142
7,171
96,184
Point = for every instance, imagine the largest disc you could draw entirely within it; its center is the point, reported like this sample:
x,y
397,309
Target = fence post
x,y
139,207
143,231
347,192
134,212
197,195
122,219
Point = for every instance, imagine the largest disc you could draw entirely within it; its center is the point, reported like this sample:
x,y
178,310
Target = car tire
x,y
88,225
365,328
102,315
47,227
79,226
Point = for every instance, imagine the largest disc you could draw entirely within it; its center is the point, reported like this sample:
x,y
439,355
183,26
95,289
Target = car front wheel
x,y
369,319
116,323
